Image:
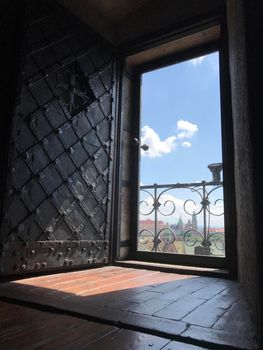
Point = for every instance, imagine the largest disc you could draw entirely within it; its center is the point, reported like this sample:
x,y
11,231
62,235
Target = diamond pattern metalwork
x,y
74,89
61,146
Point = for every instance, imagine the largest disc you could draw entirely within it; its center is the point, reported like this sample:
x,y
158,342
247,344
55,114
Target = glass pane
x,y
181,193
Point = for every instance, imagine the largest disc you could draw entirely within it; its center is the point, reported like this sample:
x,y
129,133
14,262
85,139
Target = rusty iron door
x,y
57,205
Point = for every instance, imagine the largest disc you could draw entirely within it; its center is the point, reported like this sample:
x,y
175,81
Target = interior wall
x,y
89,13
253,11
245,63
123,21
160,15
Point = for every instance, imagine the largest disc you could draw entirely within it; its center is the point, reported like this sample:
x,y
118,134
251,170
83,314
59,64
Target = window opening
x,y
181,204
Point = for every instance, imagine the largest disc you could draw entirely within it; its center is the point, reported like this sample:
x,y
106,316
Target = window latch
x,y
144,147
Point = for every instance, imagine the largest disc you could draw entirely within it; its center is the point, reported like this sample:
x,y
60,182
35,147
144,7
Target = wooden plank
x,y
128,340
177,310
176,345
28,329
206,315
45,331
223,337
150,307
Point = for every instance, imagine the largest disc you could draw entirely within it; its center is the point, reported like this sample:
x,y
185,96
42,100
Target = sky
x,y
180,121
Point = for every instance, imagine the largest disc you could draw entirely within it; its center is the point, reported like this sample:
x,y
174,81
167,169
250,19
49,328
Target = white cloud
x,y
157,148
186,144
188,129
196,61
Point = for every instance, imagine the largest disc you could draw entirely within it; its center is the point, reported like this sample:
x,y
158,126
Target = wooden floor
x,y
24,328
204,311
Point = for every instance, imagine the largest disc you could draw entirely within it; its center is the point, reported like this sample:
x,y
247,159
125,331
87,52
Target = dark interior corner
x,y
68,191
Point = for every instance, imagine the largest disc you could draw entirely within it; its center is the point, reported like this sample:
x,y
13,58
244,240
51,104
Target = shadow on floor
x,y
202,310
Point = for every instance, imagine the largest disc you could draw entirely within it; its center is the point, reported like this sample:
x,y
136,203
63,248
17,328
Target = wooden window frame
x,y
135,69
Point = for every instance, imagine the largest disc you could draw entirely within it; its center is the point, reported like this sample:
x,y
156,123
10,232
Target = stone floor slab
x,y
156,302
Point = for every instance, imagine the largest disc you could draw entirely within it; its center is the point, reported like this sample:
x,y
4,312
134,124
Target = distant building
x,y
148,224
179,227
217,229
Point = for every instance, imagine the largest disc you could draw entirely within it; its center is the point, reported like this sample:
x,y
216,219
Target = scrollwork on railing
x,y
163,238
192,237
144,202
146,240
217,239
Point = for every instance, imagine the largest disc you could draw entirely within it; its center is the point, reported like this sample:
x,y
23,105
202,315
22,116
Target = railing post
x,y
155,246
204,216
204,249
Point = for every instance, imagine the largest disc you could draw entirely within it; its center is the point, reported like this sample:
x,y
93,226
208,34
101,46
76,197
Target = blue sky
x,y
180,119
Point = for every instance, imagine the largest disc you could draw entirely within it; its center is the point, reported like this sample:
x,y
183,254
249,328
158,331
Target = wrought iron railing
x,y
203,238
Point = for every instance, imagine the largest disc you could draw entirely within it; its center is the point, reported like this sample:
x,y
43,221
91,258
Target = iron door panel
x,y
58,198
